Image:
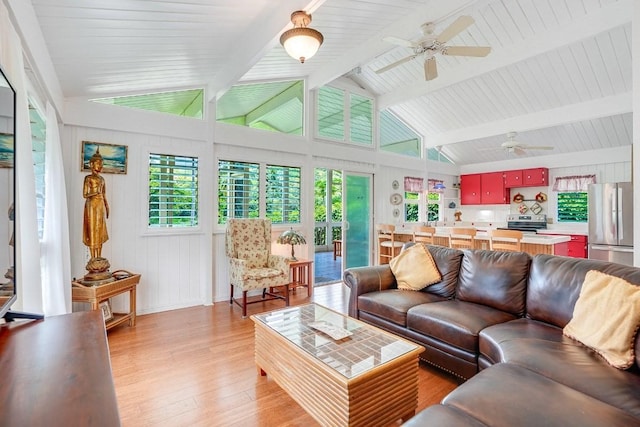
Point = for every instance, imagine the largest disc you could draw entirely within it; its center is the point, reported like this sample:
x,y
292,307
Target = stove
x,y
526,223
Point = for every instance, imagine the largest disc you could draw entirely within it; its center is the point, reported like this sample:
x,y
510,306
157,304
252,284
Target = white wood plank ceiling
x,y
559,72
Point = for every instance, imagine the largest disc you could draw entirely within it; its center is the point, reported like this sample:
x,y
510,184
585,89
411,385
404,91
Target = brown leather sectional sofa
x,y
502,313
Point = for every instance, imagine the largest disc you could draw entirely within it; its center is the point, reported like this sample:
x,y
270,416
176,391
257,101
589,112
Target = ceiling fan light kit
x,y
301,42
429,45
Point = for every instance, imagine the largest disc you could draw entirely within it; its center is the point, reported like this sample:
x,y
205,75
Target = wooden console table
x,y
56,372
94,295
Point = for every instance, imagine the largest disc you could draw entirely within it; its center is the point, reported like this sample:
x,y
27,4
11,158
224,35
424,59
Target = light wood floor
x,y
195,367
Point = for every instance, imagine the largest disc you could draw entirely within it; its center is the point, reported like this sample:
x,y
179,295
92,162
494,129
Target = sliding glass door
x,y
356,232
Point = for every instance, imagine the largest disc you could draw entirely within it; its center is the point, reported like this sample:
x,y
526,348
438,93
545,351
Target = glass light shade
x,y
291,237
439,186
301,43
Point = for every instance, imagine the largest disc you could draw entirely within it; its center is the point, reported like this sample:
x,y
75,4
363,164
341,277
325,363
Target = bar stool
x,y
388,247
423,234
462,238
505,240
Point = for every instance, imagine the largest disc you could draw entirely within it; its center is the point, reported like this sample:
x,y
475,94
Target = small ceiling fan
x,y
518,148
431,44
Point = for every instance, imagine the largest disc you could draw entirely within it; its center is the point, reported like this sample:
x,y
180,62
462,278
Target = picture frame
x,y
6,150
107,313
114,156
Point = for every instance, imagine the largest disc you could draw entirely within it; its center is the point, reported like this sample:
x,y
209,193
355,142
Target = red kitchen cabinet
x,y
513,179
576,247
470,189
493,189
535,177
483,189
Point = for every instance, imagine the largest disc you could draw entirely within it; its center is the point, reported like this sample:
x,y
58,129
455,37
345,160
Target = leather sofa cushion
x,y
492,338
555,283
507,395
440,415
543,349
454,322
393,304
495,279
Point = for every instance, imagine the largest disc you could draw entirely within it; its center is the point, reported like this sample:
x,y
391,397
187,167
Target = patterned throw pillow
x,y
415,268
606,317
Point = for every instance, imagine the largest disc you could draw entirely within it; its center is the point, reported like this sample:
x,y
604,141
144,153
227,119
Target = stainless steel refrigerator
x,y
611,222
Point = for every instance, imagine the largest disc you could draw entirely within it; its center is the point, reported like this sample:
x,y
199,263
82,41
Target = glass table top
x,y
364,349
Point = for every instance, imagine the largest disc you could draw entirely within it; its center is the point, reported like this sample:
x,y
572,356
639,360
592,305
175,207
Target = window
x,y
331,113
572,207
186,103
411,206
335,116
327,207
239,192
397,137
173,191
361,120
433,206
38,153
273,106
283,194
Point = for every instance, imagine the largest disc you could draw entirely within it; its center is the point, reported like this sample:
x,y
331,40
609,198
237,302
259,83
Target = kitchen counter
x,y
531,243
566,231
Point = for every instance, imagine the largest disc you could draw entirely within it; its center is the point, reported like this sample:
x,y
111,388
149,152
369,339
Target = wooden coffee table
x,y
369,378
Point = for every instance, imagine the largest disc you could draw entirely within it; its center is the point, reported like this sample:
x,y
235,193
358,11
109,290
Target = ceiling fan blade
x,y
466,50
538,147
395,64
398,41
430,69
455,28
519,151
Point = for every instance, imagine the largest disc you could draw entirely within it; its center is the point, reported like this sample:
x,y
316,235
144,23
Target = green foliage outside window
x,y
411,209
573,207
238,190
433,207
320,204
173,191
283,194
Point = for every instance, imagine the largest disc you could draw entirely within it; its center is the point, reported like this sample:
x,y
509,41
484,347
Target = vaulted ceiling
x,y
559,72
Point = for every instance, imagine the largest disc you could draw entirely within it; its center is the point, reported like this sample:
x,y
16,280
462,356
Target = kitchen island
x,y
532,244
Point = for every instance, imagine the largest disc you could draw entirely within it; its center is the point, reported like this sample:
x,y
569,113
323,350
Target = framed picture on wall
x,y
114,156
6,150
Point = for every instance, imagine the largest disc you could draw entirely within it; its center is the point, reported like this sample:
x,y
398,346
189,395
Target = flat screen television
x,y
8,288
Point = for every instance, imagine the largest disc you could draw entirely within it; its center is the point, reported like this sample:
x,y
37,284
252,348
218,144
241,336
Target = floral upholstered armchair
x,y
251,264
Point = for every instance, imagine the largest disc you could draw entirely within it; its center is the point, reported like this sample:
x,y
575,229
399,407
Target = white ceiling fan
x,y
519,148
431,44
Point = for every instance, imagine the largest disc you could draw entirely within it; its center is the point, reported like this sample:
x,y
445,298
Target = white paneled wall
x,y
175,267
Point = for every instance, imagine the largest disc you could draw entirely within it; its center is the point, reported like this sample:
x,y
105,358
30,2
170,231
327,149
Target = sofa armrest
x,y
362,280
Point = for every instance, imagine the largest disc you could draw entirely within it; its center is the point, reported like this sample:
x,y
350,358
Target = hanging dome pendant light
x,y
301,42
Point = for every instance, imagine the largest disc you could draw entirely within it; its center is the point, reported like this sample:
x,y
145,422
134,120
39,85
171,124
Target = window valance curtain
x,y
572,184
413,184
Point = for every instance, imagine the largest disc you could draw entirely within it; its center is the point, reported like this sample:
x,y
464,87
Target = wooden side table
x,y
94,295
300,275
